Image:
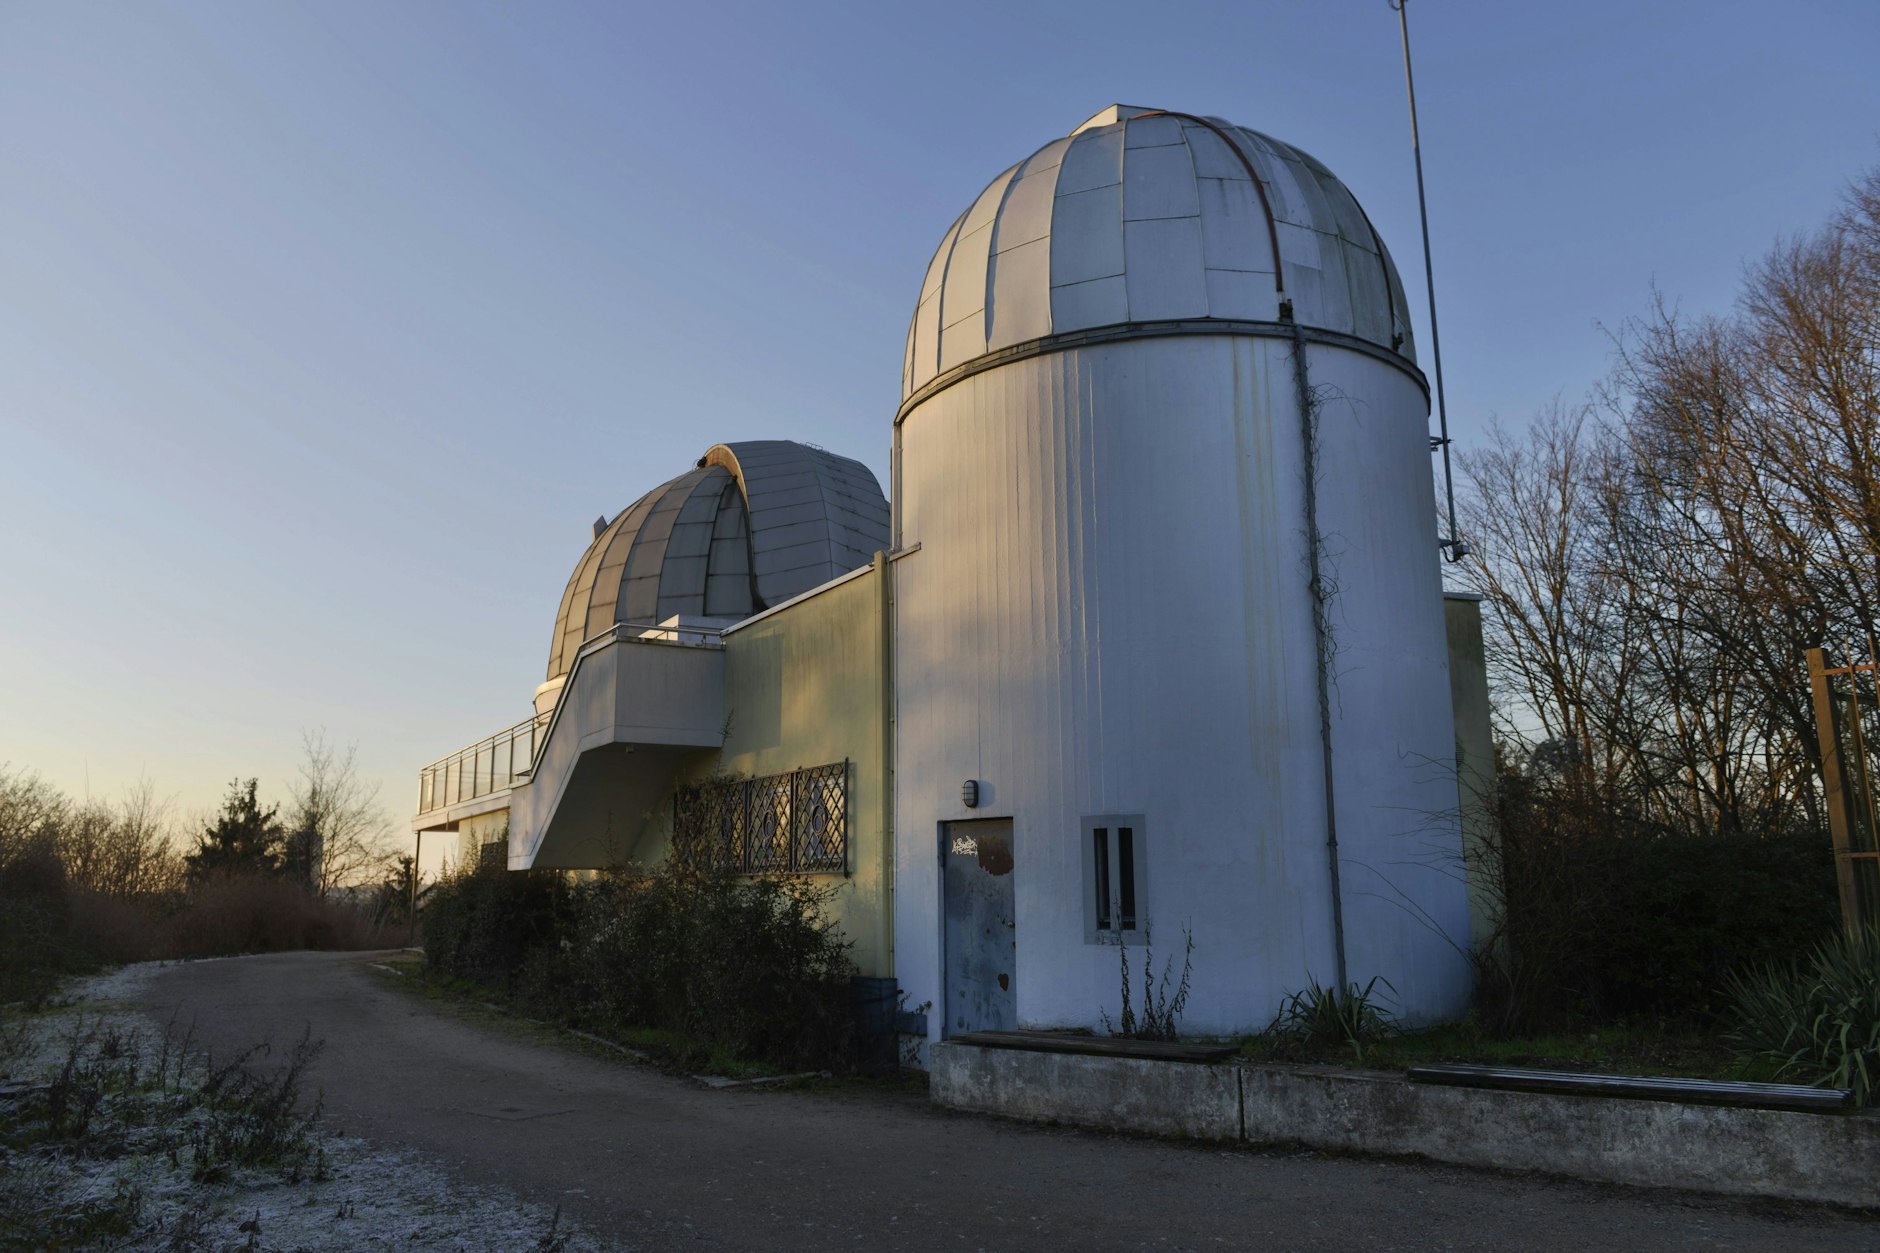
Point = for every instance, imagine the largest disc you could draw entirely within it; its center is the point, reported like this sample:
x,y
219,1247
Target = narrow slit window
x,y
1126,878
1116,904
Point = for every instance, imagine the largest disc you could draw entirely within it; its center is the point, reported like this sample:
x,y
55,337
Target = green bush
x,y
748,966
1818,1021
34,919
1610,918
485,924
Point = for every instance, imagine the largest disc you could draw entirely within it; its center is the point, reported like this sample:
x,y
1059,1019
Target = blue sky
x,y
327,329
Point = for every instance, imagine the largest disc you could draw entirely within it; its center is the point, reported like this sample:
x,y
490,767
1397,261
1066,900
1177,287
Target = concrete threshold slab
x,y
1098,1045
1639,1087
719,1081
1653,1143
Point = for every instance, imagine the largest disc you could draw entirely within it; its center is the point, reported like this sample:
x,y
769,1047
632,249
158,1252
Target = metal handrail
x,y
490,765
488,739
535,729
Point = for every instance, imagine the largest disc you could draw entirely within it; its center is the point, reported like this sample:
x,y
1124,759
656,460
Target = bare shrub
x,y
263,914
35,924
119,1094
1158,1014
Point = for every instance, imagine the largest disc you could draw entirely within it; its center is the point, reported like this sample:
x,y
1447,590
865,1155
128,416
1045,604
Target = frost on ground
x,y
115,1133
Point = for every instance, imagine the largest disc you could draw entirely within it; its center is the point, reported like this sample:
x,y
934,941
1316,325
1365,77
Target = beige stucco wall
x,y
806,685
1475,765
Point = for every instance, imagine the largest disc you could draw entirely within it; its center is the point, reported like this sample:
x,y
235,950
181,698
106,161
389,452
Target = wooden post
x,y
1834,785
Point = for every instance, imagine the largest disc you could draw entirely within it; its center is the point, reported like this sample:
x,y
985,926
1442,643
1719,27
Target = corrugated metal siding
x,y
1108,615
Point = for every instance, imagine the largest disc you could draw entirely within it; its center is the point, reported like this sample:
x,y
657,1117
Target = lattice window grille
x,y
795,823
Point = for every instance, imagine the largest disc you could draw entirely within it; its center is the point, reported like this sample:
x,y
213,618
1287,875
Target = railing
x,y
487,766
497,763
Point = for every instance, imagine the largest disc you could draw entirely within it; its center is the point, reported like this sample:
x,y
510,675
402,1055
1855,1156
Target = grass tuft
x,y
1816,1022
1319,1018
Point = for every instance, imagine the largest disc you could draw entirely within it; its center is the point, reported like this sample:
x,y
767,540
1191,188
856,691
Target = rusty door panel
x,y
981,937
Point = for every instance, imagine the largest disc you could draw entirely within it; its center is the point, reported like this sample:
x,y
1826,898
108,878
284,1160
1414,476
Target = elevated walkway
x,y
579,780
634,704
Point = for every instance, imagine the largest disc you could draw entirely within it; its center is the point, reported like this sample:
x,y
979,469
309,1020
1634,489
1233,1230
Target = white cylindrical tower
x,y
1158,372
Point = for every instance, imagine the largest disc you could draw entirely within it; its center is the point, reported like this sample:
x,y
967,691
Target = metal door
x,y
981,940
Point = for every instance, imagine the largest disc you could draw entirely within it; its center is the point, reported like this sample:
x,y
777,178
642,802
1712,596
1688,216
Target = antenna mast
x,y
1453,545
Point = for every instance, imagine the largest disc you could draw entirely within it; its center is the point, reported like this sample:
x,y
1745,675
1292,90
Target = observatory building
x,y
1153,642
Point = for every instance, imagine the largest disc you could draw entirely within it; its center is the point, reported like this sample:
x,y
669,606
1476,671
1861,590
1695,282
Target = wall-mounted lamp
x,y
969,793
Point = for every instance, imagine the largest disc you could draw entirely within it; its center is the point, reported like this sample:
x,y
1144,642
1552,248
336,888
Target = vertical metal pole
x,y
1457,549
795,829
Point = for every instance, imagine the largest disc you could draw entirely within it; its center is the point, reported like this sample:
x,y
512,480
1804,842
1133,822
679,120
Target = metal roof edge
x,y
800,597
1154,330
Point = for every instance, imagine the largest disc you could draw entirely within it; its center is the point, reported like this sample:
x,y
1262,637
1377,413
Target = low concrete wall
x,y
1744,1152
1115,1093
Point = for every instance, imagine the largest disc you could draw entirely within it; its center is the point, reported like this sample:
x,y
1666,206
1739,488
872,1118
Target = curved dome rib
x,y
811,512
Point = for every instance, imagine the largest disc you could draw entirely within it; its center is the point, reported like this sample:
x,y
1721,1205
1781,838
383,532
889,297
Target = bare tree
x,y
1534,507
126,850
32,812
338,836
1653,574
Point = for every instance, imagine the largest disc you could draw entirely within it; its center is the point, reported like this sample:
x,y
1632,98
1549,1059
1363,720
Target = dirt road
x,y
656,1163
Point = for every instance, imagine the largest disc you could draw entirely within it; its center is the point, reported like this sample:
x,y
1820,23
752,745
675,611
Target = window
x,y
1114,881
795,823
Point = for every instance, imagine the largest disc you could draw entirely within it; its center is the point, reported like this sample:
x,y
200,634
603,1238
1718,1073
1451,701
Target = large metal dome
x,y
1145,216
751,525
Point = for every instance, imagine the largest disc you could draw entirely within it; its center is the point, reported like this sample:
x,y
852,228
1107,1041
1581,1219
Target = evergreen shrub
x,y
1609,917
1815,1021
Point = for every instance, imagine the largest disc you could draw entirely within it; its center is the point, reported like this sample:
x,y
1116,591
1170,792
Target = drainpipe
x,y
411,941
884,574
1321,631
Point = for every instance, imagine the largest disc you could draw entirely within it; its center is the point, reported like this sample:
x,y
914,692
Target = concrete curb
x,y
1666,1144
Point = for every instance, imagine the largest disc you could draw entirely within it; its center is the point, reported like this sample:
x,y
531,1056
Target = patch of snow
x,y
371,1196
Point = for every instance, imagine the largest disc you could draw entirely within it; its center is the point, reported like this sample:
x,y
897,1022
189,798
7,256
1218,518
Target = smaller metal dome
x,y
753,524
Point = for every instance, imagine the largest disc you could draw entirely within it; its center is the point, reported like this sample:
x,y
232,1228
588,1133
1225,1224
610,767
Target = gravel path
x,y
655,1163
